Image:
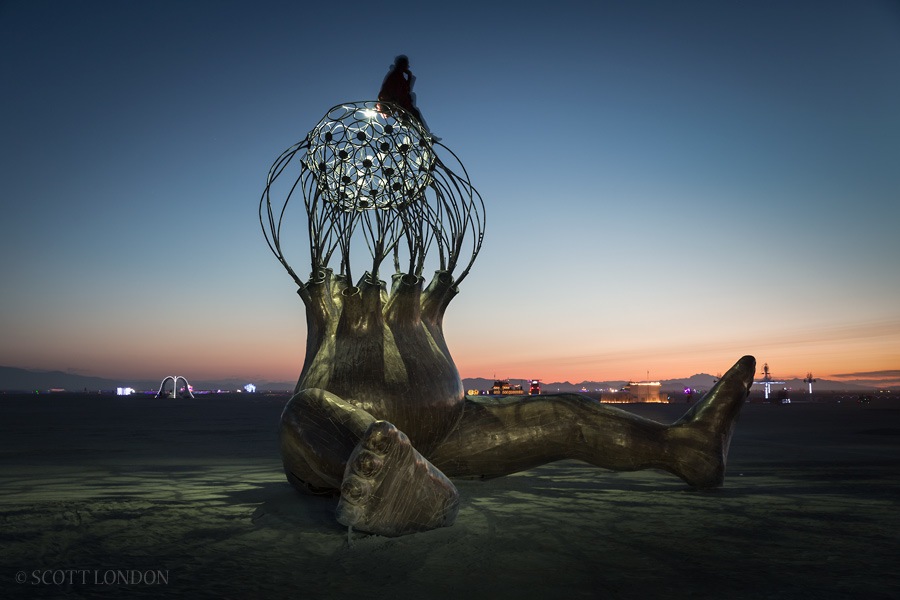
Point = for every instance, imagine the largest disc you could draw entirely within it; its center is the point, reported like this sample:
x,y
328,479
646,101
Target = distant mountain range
x,y
700,381
22,380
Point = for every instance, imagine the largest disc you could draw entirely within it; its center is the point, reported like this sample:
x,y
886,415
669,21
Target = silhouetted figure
x,y
397,88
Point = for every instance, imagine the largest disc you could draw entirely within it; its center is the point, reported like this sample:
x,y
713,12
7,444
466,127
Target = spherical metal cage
x,y
369,155
371,168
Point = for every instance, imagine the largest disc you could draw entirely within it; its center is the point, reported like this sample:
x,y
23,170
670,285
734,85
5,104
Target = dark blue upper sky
x,y
667,183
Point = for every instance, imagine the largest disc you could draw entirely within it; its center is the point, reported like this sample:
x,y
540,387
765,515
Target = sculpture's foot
x,y
700,439
390,489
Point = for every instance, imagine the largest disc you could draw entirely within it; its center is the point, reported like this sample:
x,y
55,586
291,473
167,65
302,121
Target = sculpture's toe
x,y
381,436
368,464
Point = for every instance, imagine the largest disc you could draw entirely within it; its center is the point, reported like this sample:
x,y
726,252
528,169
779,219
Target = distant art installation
x,y
379,415
185,391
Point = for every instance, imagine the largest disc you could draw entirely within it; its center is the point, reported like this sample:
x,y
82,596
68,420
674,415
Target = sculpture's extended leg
x,y
501,436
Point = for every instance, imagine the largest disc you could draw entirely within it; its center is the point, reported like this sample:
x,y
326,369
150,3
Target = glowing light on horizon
x,y
767,380
809,379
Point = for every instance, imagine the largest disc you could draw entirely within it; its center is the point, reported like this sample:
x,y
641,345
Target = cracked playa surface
x,y
195,488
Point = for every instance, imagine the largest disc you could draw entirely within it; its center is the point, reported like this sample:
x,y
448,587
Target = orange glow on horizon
x,y
827,353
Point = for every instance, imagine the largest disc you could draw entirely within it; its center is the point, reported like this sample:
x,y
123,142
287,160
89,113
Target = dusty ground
x,y
193,491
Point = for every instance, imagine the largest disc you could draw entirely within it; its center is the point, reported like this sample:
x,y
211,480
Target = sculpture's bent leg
x,y
329,446
501,436
317,435
391,489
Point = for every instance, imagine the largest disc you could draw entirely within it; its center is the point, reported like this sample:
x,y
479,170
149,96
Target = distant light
x,y
250,388
127,391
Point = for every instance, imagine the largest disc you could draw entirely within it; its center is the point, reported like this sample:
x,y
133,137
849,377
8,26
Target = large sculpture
x,y
379,414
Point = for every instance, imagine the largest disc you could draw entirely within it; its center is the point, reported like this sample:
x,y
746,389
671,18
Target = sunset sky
x,y
668,185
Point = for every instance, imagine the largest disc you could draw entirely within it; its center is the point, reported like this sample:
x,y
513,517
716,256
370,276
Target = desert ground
x,y
137,497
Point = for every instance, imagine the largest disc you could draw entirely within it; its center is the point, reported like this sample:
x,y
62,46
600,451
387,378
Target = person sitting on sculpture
x,y
379,415
397,88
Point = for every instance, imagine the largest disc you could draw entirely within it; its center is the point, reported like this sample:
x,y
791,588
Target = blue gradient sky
x,y
669,185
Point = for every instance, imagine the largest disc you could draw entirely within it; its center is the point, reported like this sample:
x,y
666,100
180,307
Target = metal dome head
x,y
369,155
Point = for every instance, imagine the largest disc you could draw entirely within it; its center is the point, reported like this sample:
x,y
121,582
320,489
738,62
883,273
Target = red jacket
x,y
396,88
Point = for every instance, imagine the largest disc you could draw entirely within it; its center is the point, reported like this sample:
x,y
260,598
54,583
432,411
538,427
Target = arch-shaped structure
x,y
184,393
